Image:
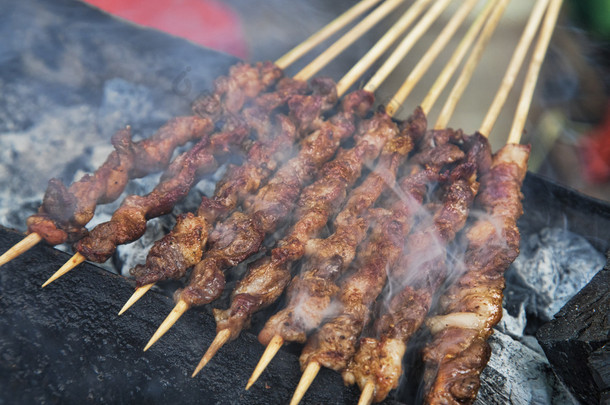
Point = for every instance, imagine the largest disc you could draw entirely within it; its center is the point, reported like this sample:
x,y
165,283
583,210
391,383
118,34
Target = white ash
x,y
518,375
554,264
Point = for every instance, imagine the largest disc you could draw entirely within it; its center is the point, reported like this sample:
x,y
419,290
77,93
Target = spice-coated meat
x,y
66,210
472,305
419,274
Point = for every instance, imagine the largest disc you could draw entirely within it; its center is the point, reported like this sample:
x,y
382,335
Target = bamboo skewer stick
x,y
310,373
221,338
173,316
283,62
381,46
138,293
393,106
470,66
366,397
22,246
533,71
406,44
456,58
426,61
514,66
347,39
324,33
69,265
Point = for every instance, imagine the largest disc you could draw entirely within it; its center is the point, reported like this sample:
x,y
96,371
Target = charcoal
x,y
577,341
66,344
554,264
518,375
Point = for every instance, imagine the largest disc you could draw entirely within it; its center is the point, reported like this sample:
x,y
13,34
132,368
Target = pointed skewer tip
x,y
69,265
180,308
367,393
20,247
307,378
219,341
138,293
270,352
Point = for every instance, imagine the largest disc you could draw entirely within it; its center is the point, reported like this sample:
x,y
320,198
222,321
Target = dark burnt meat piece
x,y
472,305
128,223
271,205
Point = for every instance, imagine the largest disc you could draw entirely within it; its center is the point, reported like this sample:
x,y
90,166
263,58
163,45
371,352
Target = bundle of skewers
x,y
361,209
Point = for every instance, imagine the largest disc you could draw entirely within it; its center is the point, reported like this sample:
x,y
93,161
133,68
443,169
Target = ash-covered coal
x,y
577,341
554,264
519,375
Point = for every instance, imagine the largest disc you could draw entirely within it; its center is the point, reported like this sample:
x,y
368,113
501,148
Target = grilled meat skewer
x,y
472,305
421,271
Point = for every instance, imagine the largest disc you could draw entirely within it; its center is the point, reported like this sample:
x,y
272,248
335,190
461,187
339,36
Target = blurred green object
x,y
593,15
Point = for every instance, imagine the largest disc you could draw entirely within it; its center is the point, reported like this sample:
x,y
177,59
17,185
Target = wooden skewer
x,y
310,373
429,57
405,45
221,338
533,71
514,66
426,61
347,39
348,16
381,46
270,351
20,247
180,308
140,291
69,265
367,393
456,58
470,66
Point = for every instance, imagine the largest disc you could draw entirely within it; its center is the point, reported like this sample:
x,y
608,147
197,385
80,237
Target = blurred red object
x,y
207,22
595,150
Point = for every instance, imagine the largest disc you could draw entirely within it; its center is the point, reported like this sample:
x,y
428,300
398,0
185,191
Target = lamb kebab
x,y
65,212
335,342
420,272
288,324
469,309
473,304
